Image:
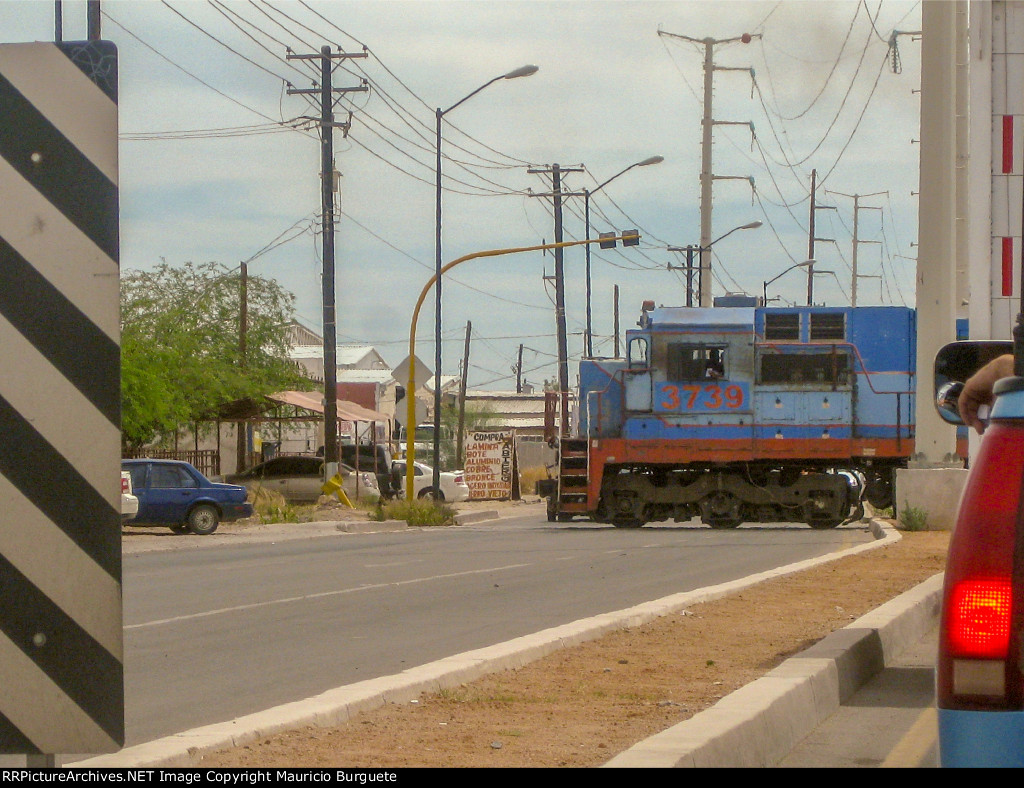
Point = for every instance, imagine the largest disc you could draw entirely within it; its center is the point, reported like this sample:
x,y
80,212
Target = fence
x,y
206,461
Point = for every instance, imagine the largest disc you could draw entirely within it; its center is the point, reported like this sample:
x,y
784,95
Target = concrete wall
x,y
936,491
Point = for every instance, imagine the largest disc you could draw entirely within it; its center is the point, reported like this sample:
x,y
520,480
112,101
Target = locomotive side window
x,y
817,369
784,326
695,362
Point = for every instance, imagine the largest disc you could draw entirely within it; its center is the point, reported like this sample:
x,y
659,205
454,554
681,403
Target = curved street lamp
x,y
748,226
523,71
586,211
699,250
805,264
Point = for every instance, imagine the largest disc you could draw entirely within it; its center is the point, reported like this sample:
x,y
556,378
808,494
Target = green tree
x,y
180,351
476,417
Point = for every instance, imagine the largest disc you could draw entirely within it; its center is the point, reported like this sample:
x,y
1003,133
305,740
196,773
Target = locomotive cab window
x,y
829,369
695,362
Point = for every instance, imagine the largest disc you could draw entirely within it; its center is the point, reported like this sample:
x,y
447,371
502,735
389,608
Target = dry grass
x,y
528,478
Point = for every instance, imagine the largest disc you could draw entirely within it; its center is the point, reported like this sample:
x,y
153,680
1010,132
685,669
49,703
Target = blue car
x,y
175,494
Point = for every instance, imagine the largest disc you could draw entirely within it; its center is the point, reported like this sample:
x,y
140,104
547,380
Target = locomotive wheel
x,y
721,510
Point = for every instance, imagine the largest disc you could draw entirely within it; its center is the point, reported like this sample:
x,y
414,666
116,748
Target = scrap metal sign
x,y
61,662
490,465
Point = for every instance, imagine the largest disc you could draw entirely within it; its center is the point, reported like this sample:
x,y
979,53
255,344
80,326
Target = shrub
x,y
270,507
912,518
416,513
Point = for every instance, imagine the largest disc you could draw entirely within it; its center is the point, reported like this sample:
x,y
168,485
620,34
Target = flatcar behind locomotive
x,y
743,414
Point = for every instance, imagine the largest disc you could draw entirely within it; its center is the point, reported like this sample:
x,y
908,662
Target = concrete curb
x,y
466,518
365,526
762,722
339,705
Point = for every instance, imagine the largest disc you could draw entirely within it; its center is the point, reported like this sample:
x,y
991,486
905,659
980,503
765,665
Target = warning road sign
x,y
61,662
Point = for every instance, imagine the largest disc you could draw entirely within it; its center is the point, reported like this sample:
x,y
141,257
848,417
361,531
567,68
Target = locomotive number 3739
x,y
700,397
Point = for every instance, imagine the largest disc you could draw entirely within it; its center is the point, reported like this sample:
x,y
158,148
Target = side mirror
x,y
946,401
954,364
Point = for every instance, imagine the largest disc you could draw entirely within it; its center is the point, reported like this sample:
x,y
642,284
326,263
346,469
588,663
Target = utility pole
x,y
615,316
810,242
707,123
58,21
812,237
688,268
241,436
519,370
563,351
326,92
93,19
462,396
857,208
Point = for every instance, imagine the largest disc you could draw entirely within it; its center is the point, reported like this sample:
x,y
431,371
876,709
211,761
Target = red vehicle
x,y
980,672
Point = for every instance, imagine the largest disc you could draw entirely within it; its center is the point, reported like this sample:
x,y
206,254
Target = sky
x,y
218,164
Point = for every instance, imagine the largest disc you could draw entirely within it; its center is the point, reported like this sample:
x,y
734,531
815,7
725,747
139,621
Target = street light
x,y
809,264
586,211
523,71
700,249
628,238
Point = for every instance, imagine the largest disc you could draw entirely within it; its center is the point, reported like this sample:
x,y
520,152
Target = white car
x,y
453,483
129,503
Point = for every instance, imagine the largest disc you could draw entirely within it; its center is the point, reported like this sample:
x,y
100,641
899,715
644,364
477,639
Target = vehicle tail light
x,y
460,478
979,639
125,487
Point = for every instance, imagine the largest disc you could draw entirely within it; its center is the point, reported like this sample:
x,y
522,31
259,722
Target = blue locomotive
x,y
743,414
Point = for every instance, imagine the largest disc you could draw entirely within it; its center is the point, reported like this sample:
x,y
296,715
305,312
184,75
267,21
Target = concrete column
x,y
936,264
980,248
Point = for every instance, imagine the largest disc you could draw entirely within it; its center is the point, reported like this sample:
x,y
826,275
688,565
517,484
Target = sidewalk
x,y
762,723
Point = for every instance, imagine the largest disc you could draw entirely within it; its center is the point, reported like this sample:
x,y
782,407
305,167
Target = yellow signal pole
x,y
630,238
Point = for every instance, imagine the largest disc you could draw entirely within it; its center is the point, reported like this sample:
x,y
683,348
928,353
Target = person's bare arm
x,y
978,390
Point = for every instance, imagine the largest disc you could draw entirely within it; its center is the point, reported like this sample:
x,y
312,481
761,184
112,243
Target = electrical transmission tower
x,y
707,123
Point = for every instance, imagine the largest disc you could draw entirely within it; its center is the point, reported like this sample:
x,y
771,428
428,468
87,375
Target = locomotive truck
x,y
736,414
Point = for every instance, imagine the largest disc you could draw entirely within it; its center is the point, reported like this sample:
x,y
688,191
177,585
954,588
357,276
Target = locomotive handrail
x,y
604,391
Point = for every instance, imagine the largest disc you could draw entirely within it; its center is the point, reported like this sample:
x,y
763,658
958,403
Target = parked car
x,y
175,494
453,483
368,457
129,502
300,479
375,458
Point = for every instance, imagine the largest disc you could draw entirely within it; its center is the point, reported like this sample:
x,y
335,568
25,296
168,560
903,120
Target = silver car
x,y
300,479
